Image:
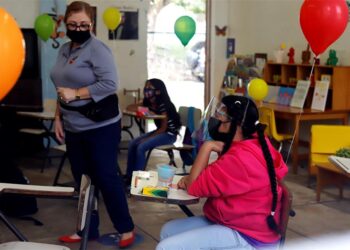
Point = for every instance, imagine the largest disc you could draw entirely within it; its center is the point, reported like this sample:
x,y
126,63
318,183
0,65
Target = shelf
x,y
284,74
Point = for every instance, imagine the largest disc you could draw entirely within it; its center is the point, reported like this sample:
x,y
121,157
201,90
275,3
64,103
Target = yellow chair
x,y
267,117
325,141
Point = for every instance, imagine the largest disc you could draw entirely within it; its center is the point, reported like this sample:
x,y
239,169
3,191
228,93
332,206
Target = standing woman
x,y
88,118
157,100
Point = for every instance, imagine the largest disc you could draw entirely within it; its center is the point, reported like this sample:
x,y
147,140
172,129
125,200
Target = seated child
x,y
157,100
241,186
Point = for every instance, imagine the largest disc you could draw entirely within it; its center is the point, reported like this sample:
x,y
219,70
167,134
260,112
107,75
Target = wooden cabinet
x,y
288,75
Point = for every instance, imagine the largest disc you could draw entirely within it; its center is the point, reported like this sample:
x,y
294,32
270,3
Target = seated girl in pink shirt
x,y
243,195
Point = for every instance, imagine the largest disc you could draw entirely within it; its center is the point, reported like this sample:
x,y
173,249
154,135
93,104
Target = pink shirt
x,y
238,189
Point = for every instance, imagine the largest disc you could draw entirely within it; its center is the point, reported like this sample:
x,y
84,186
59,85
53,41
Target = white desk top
x,y
150,178
35,189
46,115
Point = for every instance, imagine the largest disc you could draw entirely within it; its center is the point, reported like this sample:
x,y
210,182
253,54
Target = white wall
x,y
217,60
130,55
23,11
257,25
261,26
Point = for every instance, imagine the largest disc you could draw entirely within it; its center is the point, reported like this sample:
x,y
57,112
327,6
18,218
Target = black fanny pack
x,y
102,110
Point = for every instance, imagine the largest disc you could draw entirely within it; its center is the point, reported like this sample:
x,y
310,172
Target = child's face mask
x,y
148,93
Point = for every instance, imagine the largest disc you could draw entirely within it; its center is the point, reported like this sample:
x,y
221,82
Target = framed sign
x,y
260,61
128,28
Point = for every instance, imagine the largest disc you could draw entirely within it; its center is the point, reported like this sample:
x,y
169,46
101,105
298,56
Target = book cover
x,y
285,95
300,94
341,162
272,94
320,95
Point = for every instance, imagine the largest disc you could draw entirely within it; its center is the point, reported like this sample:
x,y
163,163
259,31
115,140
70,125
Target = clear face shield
x,y
215,109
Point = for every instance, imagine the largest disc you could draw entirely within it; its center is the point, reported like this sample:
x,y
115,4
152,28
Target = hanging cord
x,y
301,110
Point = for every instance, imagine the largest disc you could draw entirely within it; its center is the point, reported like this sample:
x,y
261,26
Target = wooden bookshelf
x,y
283,74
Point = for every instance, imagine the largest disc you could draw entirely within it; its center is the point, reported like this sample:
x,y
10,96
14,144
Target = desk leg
x,y
295,146
186,210
346,119
140,124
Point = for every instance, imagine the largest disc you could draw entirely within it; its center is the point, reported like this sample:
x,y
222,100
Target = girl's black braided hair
x,y
245,113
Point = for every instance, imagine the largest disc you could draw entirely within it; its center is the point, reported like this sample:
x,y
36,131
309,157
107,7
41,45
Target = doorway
x,y
182,68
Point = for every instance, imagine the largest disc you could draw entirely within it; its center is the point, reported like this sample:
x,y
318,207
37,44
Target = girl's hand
x,y
215,146
182,184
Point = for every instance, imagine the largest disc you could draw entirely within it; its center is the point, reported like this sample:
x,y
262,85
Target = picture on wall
x,y
128,28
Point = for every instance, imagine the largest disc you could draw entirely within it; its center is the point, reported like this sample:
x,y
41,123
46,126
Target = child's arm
x,y
201,162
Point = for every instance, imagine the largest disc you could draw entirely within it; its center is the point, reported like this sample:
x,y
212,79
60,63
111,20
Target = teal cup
x,y
165,174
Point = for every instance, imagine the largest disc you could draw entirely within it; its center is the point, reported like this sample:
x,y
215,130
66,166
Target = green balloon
x,y
44,26
185,28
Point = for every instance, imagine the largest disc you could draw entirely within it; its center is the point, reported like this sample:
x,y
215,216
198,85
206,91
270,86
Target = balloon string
x,y
300,113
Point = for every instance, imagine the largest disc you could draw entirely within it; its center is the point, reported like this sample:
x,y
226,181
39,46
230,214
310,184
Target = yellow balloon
x,y
112,18
258,89
12,51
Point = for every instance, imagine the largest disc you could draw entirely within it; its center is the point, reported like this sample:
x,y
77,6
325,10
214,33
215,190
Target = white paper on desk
x,y
179,194
341,162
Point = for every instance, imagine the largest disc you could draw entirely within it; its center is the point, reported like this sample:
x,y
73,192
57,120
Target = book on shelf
x,y
319,97
340,162
272,94
300,94
285,95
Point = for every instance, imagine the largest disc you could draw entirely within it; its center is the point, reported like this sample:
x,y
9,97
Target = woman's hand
x,y
66,94
59,129
182,184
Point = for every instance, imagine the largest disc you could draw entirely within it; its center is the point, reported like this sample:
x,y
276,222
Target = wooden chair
x,y
135,95
267,117
184,113
63,149
325,141
45,130
85,206
286,212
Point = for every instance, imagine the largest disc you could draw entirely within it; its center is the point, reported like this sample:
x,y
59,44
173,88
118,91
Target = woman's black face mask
x,y
148,93
213,129
78,36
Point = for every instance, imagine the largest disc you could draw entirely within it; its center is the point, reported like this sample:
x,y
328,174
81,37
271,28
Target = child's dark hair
x,y
245,113
163,97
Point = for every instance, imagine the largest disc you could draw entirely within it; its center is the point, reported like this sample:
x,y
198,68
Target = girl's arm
x,y
163,127
201,162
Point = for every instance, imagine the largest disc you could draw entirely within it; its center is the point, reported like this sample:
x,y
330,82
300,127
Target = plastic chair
x,y
85,206
325,141
267,117
186,121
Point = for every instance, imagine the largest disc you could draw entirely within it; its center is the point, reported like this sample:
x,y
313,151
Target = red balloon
x,y
323,22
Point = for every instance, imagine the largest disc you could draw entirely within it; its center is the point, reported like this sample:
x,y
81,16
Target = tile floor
x,y
312,219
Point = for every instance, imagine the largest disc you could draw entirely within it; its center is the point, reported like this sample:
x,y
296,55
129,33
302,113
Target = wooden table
x,y
297,115
131,111
328,173
178,197
42,117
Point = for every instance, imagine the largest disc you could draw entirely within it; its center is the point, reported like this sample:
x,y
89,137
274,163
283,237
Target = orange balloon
x,y
12,51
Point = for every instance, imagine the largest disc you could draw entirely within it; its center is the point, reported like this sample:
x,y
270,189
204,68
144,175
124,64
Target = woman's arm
x,y
58,124
69,94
